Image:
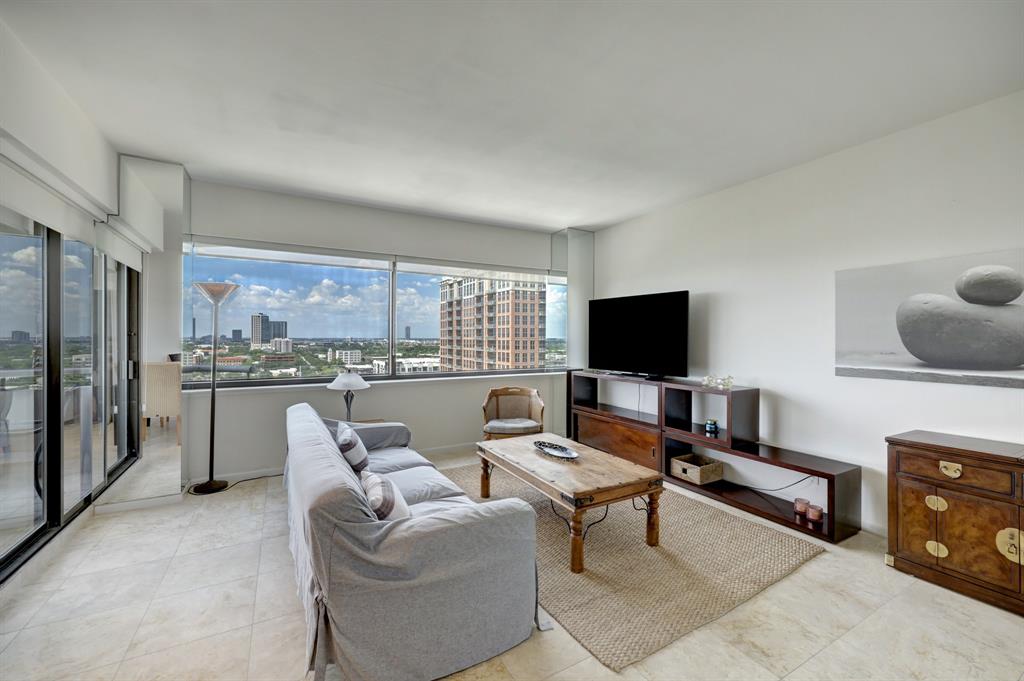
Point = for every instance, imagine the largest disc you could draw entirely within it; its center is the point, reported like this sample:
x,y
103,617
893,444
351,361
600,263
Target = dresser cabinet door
x,y
970,530
916,530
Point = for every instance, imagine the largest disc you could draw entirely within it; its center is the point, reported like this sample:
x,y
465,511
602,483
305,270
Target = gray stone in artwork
x,y
990,285
968,333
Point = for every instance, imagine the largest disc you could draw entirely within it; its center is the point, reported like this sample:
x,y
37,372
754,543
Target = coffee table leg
x,y
576,541
485,478
653,521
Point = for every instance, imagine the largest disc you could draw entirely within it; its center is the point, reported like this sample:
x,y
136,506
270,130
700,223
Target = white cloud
x,y
73,262
26,256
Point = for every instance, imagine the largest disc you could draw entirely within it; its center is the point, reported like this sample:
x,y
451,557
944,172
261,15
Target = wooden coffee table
x,y
595,479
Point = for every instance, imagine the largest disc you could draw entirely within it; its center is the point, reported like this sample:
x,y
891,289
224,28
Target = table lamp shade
x,y
348,381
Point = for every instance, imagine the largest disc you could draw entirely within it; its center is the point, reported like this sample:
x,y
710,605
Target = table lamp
x,y
348,382
216,292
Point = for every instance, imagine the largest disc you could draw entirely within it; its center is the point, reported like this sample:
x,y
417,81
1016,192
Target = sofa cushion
x,y
437,505
424,483
512,426
385,499
351,448
394,459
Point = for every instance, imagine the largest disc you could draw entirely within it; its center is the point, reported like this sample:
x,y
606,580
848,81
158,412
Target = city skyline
x,y
321,301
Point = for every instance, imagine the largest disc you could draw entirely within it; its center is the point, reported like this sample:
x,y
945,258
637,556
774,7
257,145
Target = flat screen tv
x,y
640,334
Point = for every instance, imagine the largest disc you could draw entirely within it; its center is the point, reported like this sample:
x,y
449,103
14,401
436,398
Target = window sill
x,y
378,380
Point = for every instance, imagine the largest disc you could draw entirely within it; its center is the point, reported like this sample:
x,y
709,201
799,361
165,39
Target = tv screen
x,y
640,334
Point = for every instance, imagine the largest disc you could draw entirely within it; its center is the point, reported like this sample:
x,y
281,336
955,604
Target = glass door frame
x,y
56,518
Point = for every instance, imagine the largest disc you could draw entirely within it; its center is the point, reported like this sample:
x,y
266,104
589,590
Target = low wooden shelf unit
x,y
653,438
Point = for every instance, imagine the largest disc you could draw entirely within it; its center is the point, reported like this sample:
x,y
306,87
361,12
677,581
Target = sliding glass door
x,y
78,405
68,338
21,380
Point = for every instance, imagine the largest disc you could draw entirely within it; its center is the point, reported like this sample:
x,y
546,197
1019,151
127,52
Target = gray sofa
x,y
416,598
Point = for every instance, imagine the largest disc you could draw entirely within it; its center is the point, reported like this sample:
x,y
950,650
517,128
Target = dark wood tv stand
x,y
652,438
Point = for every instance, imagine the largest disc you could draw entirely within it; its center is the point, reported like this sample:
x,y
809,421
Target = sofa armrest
x,y
454,588
381,435
450,545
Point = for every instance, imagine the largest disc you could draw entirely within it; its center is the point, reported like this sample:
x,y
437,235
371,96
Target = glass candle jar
x,y
800,506
814,513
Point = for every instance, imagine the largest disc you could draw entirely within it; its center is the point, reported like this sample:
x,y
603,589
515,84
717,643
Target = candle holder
x,y
814,513
800,506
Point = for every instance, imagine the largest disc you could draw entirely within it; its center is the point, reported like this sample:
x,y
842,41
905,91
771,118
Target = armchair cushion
x,y
512,426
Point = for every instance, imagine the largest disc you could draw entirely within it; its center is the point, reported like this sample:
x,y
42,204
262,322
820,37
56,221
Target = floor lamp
x,y
216,293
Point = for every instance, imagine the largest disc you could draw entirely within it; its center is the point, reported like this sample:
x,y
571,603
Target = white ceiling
x,y
542,115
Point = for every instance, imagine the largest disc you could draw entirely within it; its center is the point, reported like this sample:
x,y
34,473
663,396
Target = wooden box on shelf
x,y
700,470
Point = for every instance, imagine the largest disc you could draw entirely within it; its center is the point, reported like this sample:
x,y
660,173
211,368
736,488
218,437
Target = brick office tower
x,y
489,324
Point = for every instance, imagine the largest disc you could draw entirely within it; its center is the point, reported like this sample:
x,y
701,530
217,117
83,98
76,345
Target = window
x,y
293,316
300,316
458,334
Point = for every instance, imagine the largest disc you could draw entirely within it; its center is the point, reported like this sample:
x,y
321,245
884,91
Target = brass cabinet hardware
x,y
890,560
937,549
936,503
951,470
1008,543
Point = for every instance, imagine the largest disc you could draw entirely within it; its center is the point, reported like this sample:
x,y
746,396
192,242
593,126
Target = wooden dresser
x,y
956,511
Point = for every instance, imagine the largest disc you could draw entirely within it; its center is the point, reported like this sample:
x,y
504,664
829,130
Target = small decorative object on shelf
x,y
814,513
800,506
720,382
711,427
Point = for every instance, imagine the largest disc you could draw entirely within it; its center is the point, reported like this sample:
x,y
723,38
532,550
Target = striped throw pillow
x,y
352,448
385,499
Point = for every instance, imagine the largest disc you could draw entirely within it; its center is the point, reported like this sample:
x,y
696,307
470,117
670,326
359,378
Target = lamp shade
x,y
348,381
215,291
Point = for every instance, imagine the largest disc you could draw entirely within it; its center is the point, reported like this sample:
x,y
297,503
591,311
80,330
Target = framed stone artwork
x,y
946,320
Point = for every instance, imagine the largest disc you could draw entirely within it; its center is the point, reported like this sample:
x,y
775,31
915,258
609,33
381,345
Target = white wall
x,y
44,131
442,413
760,258
234,212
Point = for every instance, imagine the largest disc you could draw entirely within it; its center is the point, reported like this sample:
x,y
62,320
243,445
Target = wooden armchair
x,y
511,412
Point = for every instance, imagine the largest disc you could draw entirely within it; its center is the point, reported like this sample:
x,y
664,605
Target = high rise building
x,y
236,335
21,337
260,330
281,344
492,324
408,332
277,330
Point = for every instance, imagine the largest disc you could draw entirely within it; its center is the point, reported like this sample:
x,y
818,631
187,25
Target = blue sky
x,y
327,302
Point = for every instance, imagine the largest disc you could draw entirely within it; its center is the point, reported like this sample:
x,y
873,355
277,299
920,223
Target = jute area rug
x,y
633,599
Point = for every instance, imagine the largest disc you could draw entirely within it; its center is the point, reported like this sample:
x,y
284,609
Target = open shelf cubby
x,y
668,420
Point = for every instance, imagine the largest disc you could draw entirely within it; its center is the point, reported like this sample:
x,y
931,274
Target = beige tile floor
x,y
157,473
203,589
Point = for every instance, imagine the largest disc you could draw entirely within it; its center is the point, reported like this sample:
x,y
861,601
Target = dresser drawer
x,y
627,442
956,471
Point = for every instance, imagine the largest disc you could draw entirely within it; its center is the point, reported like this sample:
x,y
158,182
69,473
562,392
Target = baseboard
x,y
134,504
245,475
461,448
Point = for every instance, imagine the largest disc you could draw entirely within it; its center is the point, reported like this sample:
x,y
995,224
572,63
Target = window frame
x,y
394,268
